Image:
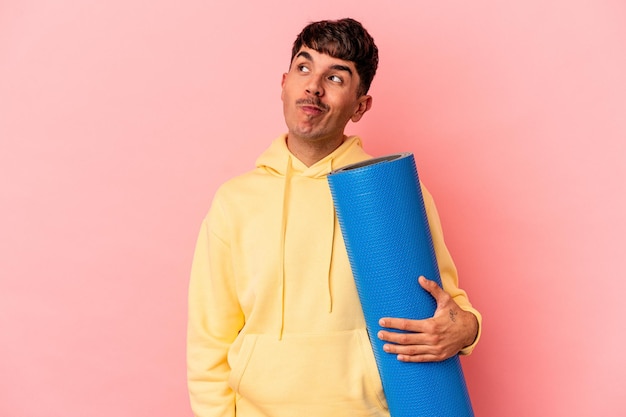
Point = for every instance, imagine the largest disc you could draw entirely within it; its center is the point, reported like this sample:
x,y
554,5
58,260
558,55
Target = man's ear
x,y
365,103
282,86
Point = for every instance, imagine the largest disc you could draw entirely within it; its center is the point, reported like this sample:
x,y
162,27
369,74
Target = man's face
x,y
319,95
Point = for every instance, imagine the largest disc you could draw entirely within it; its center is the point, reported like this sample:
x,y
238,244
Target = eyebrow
x,y
338,67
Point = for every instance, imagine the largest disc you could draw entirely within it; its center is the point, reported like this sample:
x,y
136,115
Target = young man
x,y
275,323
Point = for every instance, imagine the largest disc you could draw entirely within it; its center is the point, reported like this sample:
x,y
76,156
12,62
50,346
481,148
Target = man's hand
x,y
434,339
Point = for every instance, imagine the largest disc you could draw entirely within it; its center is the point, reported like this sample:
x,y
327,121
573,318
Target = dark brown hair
x,y
344,39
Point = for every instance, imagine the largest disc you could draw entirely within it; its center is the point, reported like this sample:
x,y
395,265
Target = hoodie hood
x,y
277,158
304,185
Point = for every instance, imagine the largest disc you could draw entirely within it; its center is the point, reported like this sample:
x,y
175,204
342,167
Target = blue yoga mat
x,y
383,220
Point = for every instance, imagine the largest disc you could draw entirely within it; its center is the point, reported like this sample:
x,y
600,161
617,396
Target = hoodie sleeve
x,y
214,320
447,269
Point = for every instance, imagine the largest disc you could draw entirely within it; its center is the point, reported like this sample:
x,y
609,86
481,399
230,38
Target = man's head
x,y
345,39
331,69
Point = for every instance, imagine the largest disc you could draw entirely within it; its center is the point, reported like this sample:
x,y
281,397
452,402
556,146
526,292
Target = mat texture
x,y
382,217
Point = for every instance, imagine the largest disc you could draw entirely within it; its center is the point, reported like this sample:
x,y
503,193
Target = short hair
x,y
344,39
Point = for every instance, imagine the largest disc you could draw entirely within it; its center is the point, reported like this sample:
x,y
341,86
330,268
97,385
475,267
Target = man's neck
x,y
310,152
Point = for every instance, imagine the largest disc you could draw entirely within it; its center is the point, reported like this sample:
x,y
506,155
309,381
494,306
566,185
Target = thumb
x,y
432,287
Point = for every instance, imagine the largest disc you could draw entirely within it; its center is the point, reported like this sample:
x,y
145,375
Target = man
x,y
275,324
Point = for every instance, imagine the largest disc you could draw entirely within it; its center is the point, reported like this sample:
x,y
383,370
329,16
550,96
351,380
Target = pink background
x,y
119,119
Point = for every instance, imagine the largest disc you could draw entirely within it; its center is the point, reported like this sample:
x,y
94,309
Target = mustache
x,y
312,101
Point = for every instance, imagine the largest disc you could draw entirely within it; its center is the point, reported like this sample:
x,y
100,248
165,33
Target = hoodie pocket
x,y
336,369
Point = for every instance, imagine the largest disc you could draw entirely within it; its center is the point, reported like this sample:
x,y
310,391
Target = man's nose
x,y
314,87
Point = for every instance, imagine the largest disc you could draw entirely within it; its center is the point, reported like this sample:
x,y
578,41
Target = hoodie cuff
x,y
468,349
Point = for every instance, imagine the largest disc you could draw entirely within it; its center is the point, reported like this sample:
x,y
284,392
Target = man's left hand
x,y
434,339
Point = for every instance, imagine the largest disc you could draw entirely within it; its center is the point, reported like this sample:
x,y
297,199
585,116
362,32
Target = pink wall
x,y
119,119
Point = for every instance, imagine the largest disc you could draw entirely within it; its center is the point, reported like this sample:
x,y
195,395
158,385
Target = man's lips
x,y
311,106
311,110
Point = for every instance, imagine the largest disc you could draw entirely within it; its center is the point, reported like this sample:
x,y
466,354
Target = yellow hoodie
x,y
275,324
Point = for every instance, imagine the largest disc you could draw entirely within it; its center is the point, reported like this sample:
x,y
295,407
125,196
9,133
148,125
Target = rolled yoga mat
x,y
383,220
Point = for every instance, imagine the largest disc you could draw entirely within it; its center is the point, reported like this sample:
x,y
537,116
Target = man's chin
x,y
308,135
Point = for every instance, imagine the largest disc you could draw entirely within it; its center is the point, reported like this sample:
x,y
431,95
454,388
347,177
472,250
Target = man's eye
x,y
335,78
303,68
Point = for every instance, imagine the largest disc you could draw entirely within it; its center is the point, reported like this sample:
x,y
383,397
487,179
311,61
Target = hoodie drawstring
x,y
279,161
330,259
283,233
